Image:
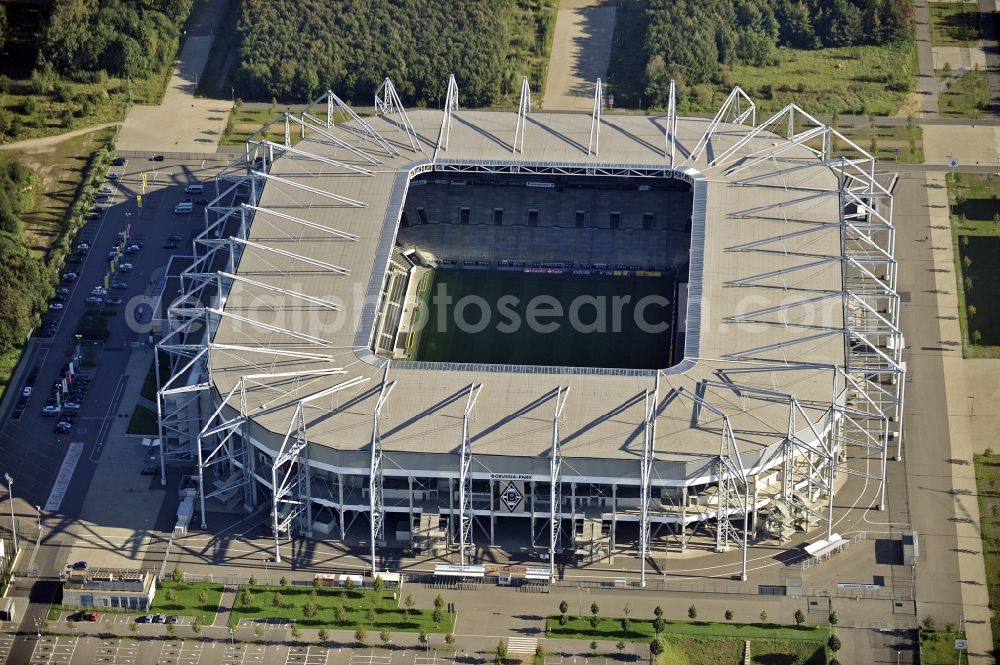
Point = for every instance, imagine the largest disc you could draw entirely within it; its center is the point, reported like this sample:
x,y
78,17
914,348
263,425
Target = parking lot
x,y
84,649
116,264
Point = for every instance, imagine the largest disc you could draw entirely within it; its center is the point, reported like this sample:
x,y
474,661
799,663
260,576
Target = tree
x,y
563,620
371,614
283,581
196,627
133,627
409,603
385,636
593,646
339,613
799,617
692,613
258,630
966,261
202,597
296,631
563,607
349,584
279,599
437,615
379,584
834,643
595,609
626,624
972,310
929,623
177,576
449,639
500,655
626,610
171,629
318,584
659,624
422,636
763,616
656,647
595,621
324,635
361,635
658,612
540,653
252,581
977,336
246,597
309,609
171,595
729,615
620,646
833,618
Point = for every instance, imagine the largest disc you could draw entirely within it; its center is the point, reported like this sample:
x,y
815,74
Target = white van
x,y
194,189
183,208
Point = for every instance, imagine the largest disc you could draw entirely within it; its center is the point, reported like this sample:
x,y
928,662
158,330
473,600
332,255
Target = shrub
x,y
799,617
834,643
729,615
361,635
692,613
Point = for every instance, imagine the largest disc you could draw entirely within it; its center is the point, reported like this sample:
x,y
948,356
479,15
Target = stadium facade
x,y
289,385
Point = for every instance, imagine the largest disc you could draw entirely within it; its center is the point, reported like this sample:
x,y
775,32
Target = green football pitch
x,y
501,317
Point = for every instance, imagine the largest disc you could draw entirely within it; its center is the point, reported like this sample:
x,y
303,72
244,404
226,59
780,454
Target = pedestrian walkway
x,y
226,605
522,644
581,50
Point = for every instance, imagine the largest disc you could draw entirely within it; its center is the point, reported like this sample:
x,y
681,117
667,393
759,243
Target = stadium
x,y
464,334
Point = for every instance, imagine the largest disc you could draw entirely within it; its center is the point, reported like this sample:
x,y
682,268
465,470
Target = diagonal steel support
x,y
593,148
387,103
670,135
375,493
523,107
465,477
646,475
555,479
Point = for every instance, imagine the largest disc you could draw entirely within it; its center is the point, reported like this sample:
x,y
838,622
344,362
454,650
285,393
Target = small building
x,y
110,589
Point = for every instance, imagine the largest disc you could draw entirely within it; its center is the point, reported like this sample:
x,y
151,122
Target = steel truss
x,y
375,489
450,106
387,103
555,480
652,403
593,148
465,478
523,107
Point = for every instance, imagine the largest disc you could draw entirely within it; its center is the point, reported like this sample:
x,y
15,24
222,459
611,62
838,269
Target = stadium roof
x,y
766,292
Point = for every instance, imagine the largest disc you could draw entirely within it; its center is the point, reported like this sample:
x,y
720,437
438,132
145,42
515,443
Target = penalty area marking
x,y
65,476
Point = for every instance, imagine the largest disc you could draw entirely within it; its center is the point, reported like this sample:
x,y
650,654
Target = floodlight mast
x,y
522,116
555,475
465,476
593,148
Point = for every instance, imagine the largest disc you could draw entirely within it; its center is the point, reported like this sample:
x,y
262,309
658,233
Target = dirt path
x,y
34,145
581,50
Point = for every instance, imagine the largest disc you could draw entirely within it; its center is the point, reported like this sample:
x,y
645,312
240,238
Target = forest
x,y
690,40
293,50
124,38
24,282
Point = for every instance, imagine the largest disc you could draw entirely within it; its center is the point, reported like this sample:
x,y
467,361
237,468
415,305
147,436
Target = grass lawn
x,y
988,491
388,614
642,630
954,23
442,339
8,362
883,141
530,26
143,421
975,206
937,647
186,603
967,95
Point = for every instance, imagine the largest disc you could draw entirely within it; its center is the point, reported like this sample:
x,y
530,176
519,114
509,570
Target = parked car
x,y
106,189
119,161
113,176
69,277
133,248
63,427
90,616
98,291
95,300
201,202
76,259
160,618
79,565
145,618
46,332
102,198
71,406
112,255
63,291
114,301
55,306
125,267
156,158
60,298
173,618
50,410
119,285
26,391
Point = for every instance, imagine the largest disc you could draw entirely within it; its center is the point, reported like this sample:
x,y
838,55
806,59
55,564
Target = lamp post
x,y
10,495
38,510
76,356
232,643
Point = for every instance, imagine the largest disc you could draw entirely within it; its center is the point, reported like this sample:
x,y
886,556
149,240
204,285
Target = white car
x,y
56,306
107,189
26,392
50,410
71,406
98,291
125,267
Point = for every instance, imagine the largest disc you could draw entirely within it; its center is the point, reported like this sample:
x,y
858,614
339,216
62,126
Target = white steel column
x,y
595,120
671,132
555,468
645,475
522,115
465,476
376,504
